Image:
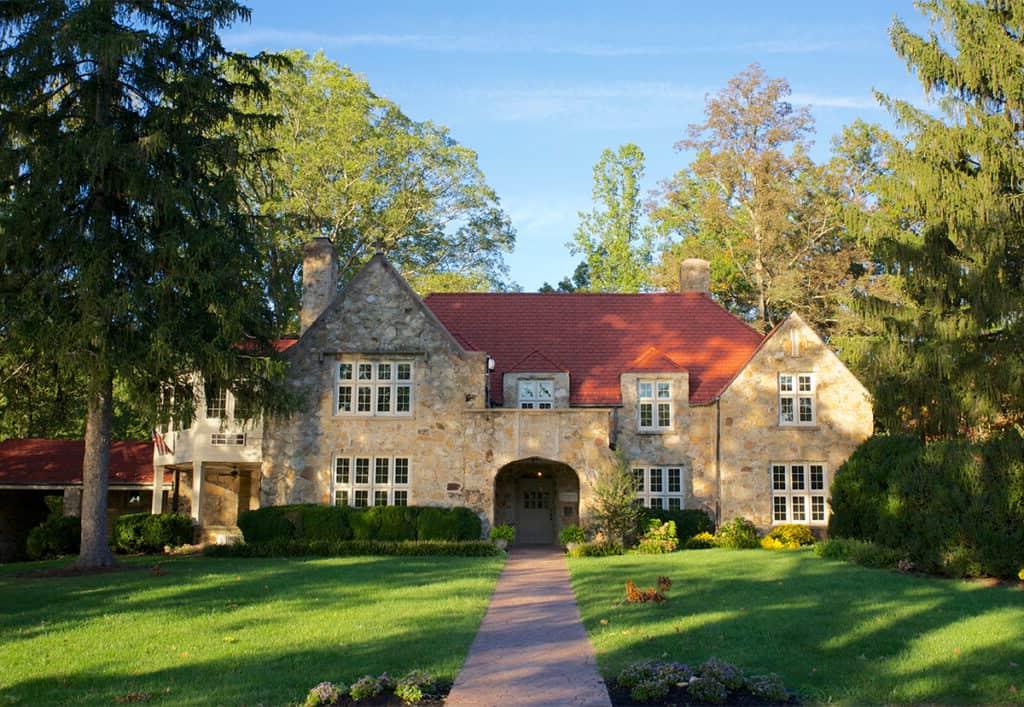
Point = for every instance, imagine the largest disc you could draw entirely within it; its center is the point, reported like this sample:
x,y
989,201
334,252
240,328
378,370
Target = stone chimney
x,y
319,280
694,275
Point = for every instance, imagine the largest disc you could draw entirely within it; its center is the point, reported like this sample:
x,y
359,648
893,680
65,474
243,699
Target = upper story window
x,y
797,399
374,388
216,401
536,394
654,405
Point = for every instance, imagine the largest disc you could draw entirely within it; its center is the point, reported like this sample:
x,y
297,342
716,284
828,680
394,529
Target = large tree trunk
x,y
95,550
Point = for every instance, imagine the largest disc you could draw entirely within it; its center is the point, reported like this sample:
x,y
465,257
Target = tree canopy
x,y
348,164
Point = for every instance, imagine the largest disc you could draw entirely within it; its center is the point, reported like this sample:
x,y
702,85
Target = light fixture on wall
x,y
540,473
490,363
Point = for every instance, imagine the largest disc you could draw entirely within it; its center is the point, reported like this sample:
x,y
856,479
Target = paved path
x,y
531,648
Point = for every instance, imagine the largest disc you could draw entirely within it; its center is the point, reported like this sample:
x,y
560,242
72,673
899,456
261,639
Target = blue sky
x,y
538,89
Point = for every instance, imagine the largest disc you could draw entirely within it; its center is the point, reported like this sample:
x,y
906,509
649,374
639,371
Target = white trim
x,y
383,383
657,402
795,388
539,401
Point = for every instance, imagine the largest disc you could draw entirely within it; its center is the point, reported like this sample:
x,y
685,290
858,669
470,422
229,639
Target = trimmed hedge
x,y
144,532
290,547
340,523
953,506
689,521
57,535
860,552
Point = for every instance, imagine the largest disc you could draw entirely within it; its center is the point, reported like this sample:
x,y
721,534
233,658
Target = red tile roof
x,y
599,336
58,462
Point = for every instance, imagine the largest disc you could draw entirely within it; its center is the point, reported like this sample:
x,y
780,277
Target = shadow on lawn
x,y
831,630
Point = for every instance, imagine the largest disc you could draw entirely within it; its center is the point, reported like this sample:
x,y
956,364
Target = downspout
x,y
718,462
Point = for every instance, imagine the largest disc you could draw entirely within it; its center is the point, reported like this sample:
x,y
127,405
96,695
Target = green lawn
x,y
233,632
834,631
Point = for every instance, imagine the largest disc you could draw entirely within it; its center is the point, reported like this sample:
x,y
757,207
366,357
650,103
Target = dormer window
x,y
654,405
376,388
536,394
797,392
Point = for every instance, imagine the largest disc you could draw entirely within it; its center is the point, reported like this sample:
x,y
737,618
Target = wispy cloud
x,y
520,43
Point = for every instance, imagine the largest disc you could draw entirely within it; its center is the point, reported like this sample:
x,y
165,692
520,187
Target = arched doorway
x,y
538,497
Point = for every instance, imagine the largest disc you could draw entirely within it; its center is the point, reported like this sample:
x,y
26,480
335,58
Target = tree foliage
x,y
616,243
756,207
349,165
615,510
948,229
124,255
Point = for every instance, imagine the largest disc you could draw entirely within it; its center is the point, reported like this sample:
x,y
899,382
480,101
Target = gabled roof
x,y
58,462
536,362
597,337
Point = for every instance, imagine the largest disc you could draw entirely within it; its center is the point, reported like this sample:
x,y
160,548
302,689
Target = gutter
x,y
718,462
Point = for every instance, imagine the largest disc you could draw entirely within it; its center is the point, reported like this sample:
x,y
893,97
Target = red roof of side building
x,y
597,337
58,462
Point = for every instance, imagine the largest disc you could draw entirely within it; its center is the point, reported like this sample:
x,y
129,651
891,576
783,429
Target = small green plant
x,y
368,687
738,534
707,690
700,541
787,537
768,687
659,539
572,534
414,686
651,680
503,532
326,693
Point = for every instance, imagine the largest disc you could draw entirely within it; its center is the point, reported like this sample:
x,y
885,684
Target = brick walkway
x,y
531,648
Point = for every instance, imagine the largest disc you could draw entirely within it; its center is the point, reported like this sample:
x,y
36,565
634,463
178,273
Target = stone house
x,y
510,404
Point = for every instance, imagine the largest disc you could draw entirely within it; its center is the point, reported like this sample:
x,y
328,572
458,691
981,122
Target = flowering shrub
x,y
787,537
326,693
738,534
413,686
651,680
700,541
725,673
1020,575
768,687
708,690
659,539
368,686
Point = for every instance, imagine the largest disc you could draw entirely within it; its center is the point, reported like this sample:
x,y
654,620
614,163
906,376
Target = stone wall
x,y
752,438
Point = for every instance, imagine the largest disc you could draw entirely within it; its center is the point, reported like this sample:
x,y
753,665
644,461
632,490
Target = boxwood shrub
x,y
144,532
689,521
57,535
339,523
951,506
292,547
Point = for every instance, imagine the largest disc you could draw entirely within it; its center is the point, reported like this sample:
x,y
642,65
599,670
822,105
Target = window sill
x,y
665,431
813,426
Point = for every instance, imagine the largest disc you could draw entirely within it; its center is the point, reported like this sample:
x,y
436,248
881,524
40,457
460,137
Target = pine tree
x,y
948,227
124,255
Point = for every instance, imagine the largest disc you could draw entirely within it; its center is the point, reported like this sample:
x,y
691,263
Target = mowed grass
x,y
833,631
235,631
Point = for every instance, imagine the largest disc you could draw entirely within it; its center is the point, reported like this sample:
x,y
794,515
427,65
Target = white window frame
x,y
211,408
383,382
792,490
535,398
648,492
392,489
794,390
655,395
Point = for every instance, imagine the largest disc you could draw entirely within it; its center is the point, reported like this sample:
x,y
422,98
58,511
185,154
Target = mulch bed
x,y
678,696
436,698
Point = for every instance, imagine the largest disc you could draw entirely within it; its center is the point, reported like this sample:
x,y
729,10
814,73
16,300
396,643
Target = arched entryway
x,y
538,497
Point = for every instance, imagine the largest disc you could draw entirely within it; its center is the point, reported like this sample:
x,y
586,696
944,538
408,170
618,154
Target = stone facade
x,y
463,451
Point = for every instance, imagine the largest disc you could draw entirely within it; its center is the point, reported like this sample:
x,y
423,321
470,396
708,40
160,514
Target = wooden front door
x,y
535,511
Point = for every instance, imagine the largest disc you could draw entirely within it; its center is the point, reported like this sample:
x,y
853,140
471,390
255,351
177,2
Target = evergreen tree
x,y
948,227
124,255
615,242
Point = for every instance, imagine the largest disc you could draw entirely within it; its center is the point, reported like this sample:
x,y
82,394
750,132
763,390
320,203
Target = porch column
x,y
157,506
197,485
